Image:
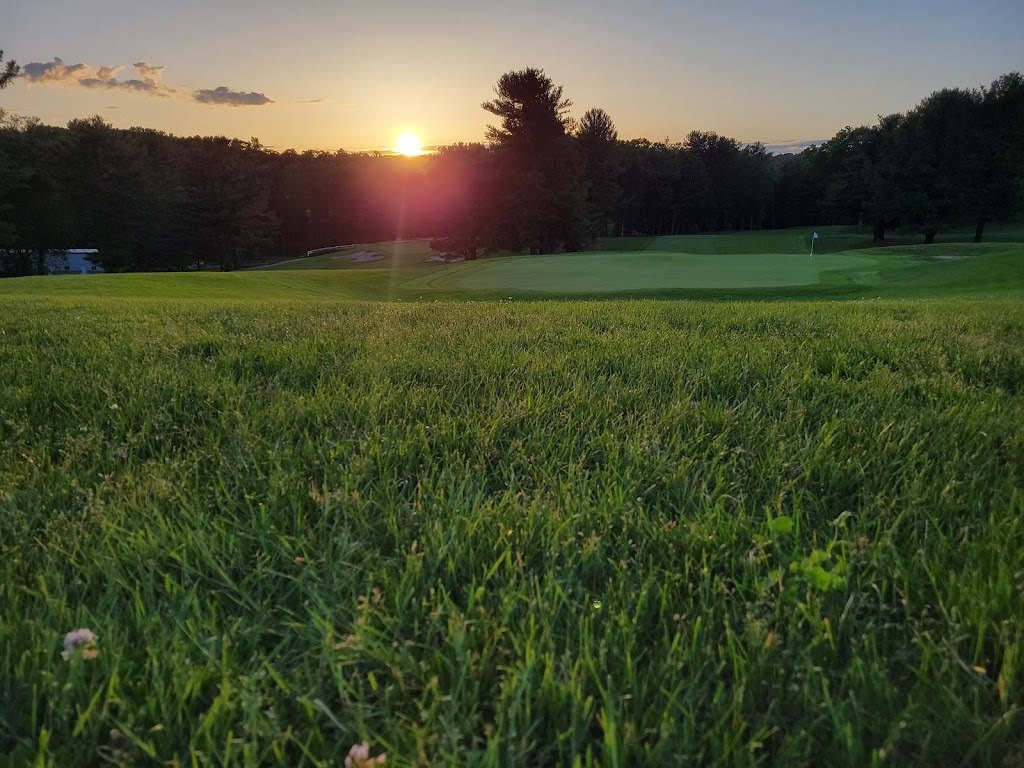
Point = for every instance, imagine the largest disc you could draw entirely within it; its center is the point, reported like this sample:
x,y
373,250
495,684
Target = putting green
x,y
644,270
700,266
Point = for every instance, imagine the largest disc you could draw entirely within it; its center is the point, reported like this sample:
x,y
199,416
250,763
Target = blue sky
x,y
335,74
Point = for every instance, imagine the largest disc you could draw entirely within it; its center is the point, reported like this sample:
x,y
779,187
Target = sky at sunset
x,y
330,74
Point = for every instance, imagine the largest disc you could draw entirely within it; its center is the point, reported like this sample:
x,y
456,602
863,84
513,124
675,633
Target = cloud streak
x,y
147,81
791,146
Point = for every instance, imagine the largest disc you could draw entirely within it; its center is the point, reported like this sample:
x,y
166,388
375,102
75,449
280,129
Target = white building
x,y
74,261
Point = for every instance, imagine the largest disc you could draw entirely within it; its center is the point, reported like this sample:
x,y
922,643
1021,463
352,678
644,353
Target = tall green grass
x,y
503,534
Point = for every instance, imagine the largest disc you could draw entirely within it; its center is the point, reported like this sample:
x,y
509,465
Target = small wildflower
x,y
115,407
80,642
359,757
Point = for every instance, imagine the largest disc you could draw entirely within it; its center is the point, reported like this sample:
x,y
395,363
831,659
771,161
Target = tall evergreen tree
x,y
542,198
597,142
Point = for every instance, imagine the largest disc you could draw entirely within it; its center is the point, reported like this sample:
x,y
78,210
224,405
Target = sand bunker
x,y
361,256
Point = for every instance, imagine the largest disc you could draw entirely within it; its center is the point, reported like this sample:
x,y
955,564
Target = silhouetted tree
x,y
796,191
937,158
690,186
757,179
8,71
597,142
998,193
541,197
723,164
228,192
34,197
465,183
646,183
111,194
860,165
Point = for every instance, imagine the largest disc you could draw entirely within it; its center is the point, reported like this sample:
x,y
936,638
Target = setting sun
x,y
408,144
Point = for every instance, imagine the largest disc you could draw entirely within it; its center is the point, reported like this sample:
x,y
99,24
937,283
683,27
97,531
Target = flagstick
x,y
812,252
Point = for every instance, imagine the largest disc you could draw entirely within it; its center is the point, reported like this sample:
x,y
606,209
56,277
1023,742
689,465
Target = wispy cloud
x,y
224,95
148,81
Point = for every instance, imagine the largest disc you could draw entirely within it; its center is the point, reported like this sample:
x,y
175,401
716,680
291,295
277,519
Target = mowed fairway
x,y
646,270
757,266
530,533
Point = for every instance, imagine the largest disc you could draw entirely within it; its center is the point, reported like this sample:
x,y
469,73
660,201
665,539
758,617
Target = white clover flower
x,y
359,757
81,642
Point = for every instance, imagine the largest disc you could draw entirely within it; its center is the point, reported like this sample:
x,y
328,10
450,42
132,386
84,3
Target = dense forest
x,y
542,182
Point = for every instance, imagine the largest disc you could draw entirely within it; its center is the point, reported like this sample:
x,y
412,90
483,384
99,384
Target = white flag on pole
x,y
814,236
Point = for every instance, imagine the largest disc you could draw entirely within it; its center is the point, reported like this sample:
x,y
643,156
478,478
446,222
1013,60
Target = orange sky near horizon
x,y
357,75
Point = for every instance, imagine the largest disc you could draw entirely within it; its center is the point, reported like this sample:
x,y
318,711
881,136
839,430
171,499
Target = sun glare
x,y
408,144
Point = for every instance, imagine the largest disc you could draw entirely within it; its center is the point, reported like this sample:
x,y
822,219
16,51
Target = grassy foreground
x,y
596,534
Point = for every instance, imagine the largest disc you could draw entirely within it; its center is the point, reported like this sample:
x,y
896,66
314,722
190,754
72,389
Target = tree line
x,y
542,182
546,182
956,159
150,201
